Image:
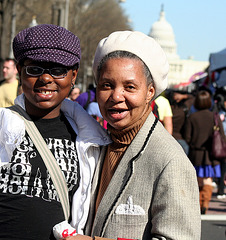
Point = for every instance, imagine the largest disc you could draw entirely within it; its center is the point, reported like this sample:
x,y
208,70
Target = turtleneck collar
x,y
123,137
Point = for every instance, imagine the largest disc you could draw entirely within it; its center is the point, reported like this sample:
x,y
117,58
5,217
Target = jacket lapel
x,y
119,180
112,193
94,190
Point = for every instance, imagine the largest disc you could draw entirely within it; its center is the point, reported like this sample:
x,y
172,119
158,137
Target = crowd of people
x,y
193,124
144,172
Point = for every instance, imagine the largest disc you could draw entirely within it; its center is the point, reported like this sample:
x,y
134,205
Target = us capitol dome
x,y
181,70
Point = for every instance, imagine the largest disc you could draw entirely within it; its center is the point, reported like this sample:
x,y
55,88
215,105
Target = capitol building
x,y
181,70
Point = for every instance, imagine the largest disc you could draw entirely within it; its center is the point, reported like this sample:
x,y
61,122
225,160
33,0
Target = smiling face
x,y
44,94
122,92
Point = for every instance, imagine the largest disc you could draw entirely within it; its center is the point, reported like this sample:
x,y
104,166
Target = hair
x,y
75,67
129,55
202,100
11,59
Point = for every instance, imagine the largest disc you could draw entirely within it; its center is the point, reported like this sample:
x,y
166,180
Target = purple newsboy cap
x,y
47,43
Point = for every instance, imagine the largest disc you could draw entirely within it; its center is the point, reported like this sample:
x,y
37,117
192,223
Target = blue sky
x,y
199,25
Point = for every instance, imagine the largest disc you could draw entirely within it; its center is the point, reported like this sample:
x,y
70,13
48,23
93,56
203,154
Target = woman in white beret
x,y
144,186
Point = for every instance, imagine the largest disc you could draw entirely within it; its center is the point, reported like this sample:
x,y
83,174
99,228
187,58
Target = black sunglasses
x,y
57,72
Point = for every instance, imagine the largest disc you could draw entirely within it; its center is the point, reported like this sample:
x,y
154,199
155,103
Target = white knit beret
x,y
143,46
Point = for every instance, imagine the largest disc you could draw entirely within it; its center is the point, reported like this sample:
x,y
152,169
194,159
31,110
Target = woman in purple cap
x,y
48,58
144,186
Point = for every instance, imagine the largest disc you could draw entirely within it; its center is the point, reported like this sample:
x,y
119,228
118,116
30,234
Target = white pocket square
x,y
129,208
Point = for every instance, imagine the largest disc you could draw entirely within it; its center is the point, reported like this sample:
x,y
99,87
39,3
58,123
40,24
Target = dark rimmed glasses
x,y
36,71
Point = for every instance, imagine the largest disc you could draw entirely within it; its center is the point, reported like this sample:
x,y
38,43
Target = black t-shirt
x,y
29,204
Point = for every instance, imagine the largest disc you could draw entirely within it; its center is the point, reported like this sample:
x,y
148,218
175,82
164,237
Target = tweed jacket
x,y
153,193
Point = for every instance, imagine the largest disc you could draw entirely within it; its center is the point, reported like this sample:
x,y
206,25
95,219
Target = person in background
x,y
220,102
84,99
94,110
198,134
180,103
48,59
200,88
165,113
9,85
74,93
144,186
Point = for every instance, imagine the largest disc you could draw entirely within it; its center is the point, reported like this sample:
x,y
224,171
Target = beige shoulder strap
x,y
55,172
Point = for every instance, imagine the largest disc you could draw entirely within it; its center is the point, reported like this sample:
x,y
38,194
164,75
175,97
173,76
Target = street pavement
x,y
214,221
